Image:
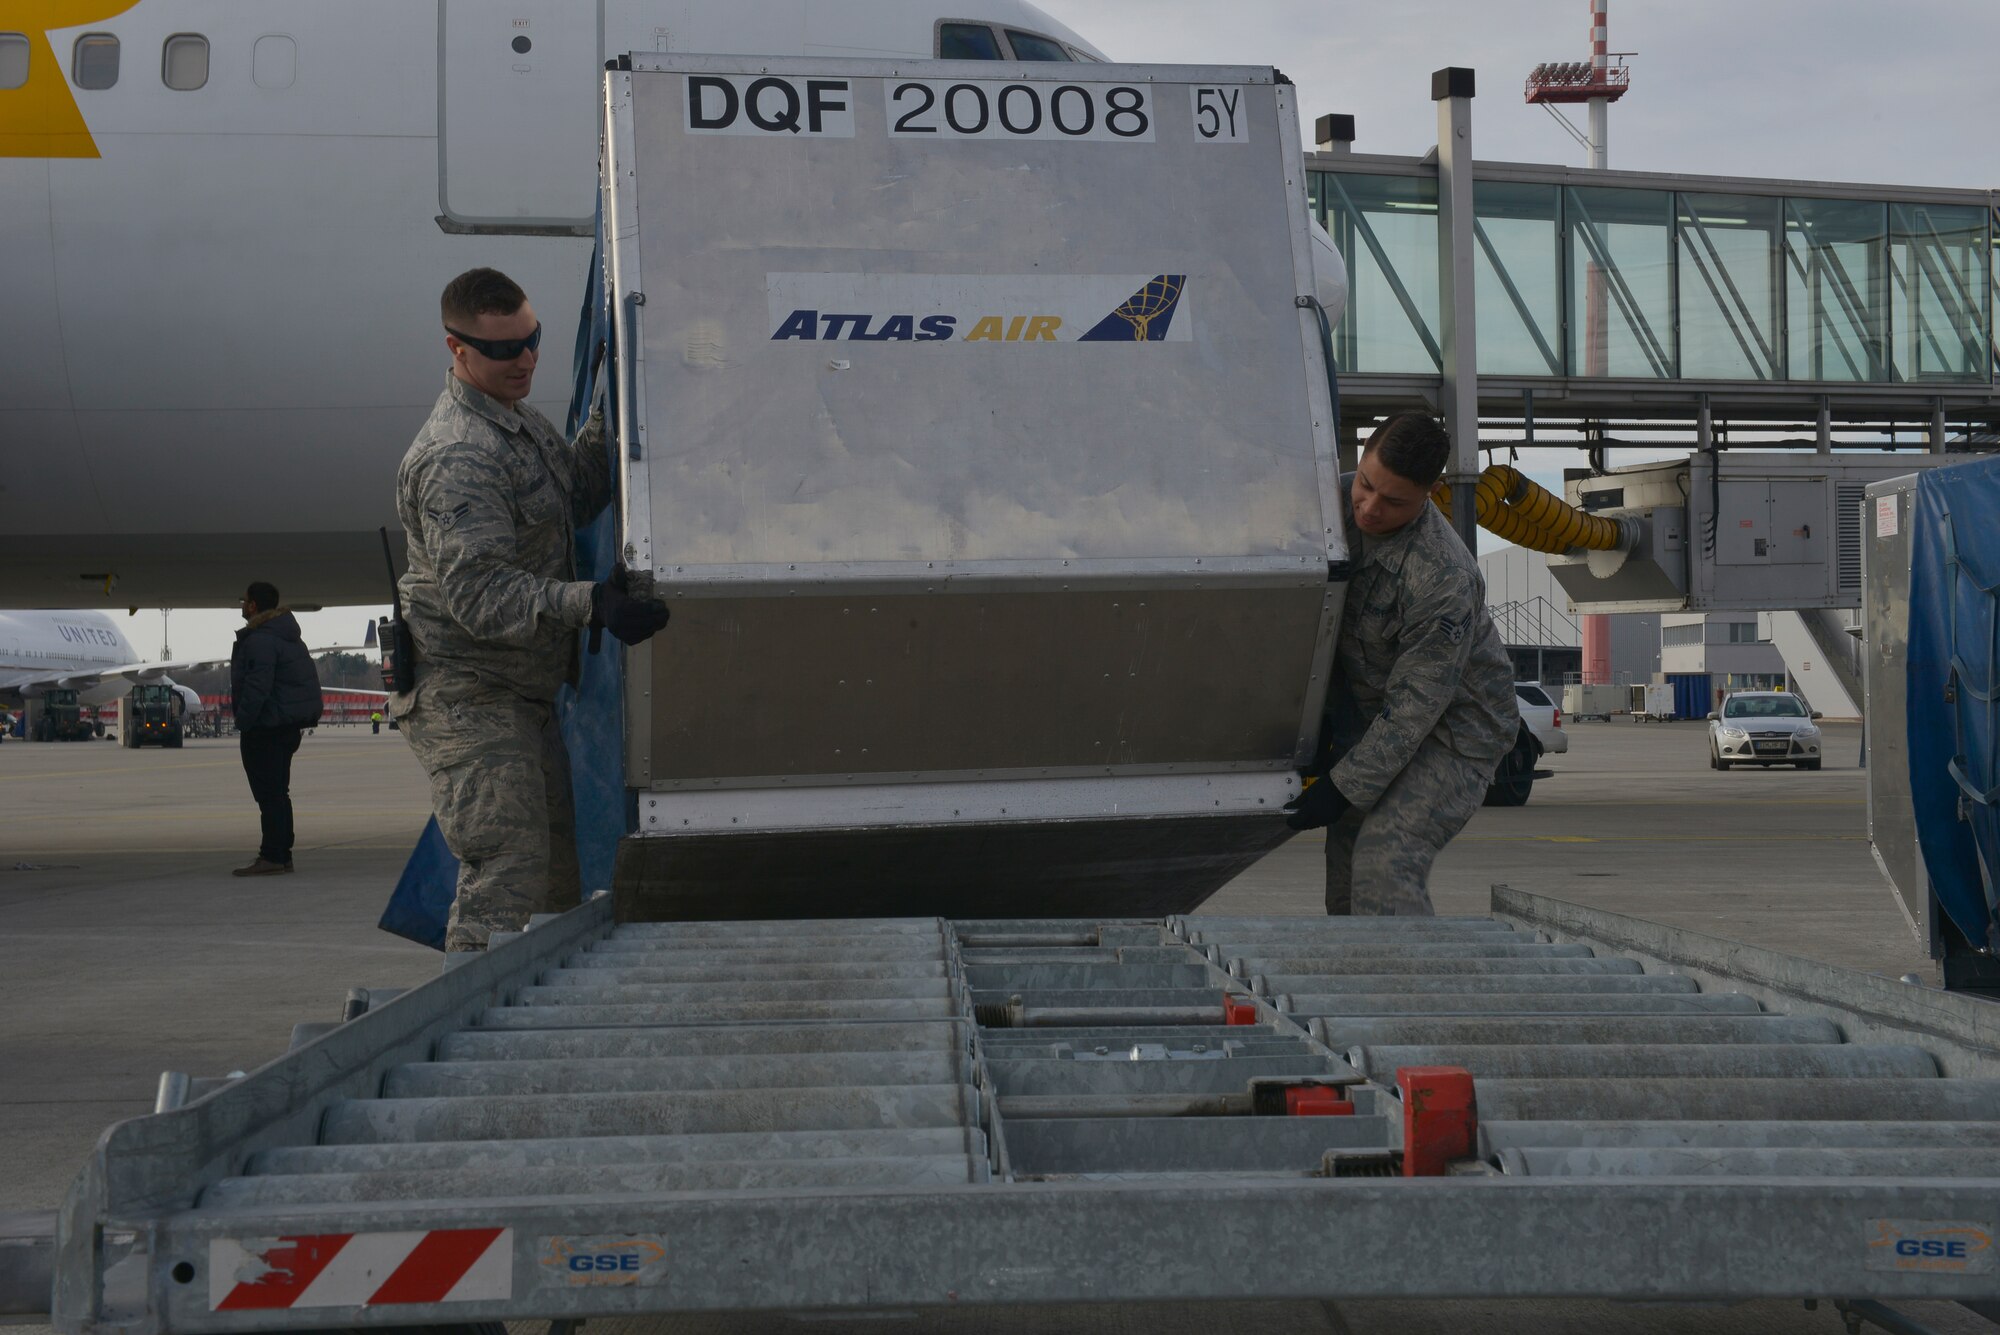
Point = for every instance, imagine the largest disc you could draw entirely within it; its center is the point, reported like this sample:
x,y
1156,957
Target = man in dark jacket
x,y
275,688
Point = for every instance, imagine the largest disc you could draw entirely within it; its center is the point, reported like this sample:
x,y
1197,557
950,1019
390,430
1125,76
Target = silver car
x,y
1763,728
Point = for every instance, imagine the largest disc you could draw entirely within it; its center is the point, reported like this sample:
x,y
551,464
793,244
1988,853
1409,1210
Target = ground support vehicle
x,y
153,715
57,716
599,1118
1653,702
1599,701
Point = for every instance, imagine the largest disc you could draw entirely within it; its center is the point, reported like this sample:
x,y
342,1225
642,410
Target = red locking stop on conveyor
x,y
1316,1101
1440,1118
1238,1010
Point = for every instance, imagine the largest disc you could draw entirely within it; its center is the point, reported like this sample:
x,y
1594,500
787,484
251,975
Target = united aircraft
x,y
225,227
82,651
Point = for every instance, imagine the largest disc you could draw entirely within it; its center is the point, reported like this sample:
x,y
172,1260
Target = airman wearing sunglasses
x,y
490,497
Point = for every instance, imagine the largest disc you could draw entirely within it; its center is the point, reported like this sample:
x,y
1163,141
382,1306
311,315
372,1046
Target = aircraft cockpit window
x,y
13,59
184,63
1029,46
95,63
967,41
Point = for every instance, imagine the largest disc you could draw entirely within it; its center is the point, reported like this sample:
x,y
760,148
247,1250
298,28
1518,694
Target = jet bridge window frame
x,y
178,42
95,42
12,76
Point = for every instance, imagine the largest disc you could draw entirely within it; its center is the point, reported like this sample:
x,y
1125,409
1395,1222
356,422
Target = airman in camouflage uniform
x,y
1423,706
490,496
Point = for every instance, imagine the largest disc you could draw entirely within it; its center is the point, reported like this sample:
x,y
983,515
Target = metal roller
x,y
1438,967
1497,1136
1948,1163
1091,1146
513,1154
1212,923
1694,1061
1481,985
1346,951
563,1116
477,1183
786,929
587,993
714,1012
1515,1003
1753,1100
827,950
1554,1030
701,971
477,1045
1034,978
611,1075
1226,1076
1386,933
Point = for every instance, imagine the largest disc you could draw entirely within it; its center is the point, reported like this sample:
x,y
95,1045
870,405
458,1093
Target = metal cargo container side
x,y
978,432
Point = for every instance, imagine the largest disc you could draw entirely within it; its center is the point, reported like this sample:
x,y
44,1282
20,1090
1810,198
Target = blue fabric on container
x,y
591,714
1954,658
420,905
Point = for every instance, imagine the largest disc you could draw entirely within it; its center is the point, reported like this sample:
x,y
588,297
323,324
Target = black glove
x,y
1319,805
630,619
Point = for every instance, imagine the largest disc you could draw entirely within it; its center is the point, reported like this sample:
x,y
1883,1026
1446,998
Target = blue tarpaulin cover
x,y
591,713
1954,576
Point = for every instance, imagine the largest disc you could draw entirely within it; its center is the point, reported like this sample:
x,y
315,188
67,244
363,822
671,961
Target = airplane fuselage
x,y
218,308
55,642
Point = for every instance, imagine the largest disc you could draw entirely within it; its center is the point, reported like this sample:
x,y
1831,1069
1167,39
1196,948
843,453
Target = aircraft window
x,y
1027,46
96,62
184,65
967,41
274,61
13,59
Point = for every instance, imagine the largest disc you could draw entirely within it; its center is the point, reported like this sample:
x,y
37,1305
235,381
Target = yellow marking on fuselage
x,y
40,119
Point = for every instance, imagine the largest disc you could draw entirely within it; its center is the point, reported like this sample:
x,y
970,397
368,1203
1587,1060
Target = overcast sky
x,y
1828,90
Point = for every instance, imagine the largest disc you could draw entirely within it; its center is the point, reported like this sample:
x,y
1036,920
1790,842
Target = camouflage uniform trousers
x,y
1378,860
500,788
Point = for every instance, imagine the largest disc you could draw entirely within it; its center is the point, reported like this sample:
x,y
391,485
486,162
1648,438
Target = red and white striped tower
x,y
1596,627
1600,64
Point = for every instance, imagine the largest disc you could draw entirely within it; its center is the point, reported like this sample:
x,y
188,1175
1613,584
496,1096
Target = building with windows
x,y
1541,628
1727,648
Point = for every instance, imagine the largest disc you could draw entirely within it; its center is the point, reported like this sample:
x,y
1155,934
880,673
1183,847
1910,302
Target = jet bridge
x,y
597,1119
978,428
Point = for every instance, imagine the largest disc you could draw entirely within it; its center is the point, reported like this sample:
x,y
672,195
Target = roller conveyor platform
x,y
597,1119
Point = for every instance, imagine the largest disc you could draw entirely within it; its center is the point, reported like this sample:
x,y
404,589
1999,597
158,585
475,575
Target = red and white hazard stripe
x,y
446,1265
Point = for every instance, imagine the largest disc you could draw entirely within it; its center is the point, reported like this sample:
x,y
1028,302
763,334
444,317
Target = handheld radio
x,y
399,651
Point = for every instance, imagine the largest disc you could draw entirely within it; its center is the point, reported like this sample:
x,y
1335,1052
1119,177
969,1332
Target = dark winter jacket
x,y
271,676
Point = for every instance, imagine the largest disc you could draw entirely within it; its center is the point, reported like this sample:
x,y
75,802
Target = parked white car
x,y
1540,734
1763,728
1543,716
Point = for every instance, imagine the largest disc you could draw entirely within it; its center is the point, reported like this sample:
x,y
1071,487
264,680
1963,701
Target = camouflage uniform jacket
x,y
1420,657
490,497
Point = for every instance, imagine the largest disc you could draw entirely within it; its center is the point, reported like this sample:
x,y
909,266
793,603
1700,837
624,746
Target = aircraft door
x,y
518,111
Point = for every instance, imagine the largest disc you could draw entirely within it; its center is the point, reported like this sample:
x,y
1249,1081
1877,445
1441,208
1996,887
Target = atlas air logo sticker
x,y
1935,1246
604,1262
959,308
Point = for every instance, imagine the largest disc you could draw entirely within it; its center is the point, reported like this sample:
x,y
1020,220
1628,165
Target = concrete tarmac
x,y
127,949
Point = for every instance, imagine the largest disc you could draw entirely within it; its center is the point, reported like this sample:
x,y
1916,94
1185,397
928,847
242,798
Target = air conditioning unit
x,y
1729,532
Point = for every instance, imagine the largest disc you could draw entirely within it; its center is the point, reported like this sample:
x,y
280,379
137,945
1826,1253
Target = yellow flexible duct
x,y
1511,506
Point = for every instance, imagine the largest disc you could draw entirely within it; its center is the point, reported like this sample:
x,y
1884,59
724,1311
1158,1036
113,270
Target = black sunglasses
x,y
499,349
